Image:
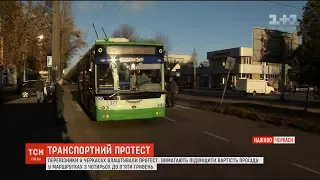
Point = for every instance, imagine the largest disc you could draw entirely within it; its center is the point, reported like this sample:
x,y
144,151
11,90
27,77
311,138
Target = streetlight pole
x,y
194,55
56,41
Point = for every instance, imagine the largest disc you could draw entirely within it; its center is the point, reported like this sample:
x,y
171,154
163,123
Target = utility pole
x,y
63,18
283,67
194,58
1,41
56,65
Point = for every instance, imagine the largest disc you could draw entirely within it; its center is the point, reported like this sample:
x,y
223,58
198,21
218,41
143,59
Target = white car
x,y
303,88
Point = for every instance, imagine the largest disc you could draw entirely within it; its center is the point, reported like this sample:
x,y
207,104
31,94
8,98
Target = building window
x,y
272,76
247,60
261,76
248,76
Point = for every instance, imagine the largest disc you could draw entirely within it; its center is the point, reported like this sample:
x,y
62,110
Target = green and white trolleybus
x,y
122,80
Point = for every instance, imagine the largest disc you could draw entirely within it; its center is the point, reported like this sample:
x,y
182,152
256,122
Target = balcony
x,y
259,69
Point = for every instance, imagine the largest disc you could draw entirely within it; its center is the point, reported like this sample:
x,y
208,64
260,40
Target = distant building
x,y
178,58
204,64
245,67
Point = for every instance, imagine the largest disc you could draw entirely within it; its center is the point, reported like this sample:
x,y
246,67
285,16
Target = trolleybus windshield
x,y
125,72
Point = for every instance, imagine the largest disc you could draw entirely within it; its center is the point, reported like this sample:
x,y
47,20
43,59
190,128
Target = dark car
x,y
188,86
28,89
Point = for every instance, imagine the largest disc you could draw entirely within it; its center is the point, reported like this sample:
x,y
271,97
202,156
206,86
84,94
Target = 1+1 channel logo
x,y
284,23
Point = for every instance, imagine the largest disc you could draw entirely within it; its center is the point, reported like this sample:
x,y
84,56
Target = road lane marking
x,y
183,107
216,136
172,120
305,168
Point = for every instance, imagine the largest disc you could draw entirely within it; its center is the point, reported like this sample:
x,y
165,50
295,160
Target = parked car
x,y
303,88
187,86
28,89
19,87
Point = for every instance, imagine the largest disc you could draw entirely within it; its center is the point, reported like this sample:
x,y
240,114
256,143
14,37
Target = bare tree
x,y
72,37
125,31
24,22
164,39
128,31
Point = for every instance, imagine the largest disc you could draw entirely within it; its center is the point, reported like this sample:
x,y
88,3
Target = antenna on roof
x,y
104,33
95,30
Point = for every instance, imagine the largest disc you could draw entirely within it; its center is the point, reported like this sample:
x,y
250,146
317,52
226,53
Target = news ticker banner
x,y
273,140
102,156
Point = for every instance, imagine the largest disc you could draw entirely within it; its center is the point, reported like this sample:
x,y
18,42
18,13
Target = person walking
x,y
39,90
172,91
58,102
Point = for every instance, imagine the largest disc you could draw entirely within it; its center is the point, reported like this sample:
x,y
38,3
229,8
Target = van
x,y
251,86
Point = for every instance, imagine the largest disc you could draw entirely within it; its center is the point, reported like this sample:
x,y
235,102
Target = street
x,y
232,94
183,132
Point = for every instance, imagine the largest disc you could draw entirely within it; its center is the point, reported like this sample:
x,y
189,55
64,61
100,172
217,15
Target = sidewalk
x,y
23,121
230,101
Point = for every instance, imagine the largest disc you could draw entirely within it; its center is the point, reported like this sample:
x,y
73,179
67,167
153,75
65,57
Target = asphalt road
x,y
298,96
183,132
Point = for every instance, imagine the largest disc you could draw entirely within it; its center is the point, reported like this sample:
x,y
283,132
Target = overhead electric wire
x,y
122,5
285,5
94,18
119,9
103,8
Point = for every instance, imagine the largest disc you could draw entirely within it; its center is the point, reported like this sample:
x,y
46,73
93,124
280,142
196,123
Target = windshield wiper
x,y
117,92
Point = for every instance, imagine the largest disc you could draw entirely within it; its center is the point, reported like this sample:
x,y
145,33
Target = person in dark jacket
x,y
58,102
172,90
39,90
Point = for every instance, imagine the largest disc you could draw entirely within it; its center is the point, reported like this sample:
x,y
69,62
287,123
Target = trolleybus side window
x,y
104,76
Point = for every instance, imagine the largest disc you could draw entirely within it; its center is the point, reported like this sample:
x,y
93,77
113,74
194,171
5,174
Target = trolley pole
x,y
56,69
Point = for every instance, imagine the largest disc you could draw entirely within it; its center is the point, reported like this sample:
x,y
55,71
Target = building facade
x,y
178,58
215,75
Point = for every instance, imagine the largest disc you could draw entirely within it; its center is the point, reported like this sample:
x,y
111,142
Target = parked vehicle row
x,y
28,89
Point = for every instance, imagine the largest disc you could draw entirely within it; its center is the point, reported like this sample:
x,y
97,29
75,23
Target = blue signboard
x,y
152,60
49,61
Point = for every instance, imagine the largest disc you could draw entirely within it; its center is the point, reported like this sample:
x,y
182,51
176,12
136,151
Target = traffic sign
x,y
230,63
49,61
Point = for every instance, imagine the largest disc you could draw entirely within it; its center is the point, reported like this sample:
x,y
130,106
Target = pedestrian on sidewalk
x,y
39,90
173,89
45,92
58,102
